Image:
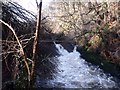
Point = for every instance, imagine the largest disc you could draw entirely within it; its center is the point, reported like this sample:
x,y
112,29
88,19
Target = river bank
x,y
65,69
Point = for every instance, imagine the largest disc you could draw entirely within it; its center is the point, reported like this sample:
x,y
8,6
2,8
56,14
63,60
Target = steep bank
x,y
96,59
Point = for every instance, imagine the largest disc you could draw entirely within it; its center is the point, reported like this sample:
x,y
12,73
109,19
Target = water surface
x,y
72,71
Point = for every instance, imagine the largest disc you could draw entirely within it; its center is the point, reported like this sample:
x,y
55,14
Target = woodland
x,y
27,39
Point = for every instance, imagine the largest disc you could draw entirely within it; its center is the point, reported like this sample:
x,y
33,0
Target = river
x,y
72,71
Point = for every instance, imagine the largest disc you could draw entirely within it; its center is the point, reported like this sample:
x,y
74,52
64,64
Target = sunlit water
x,y
74,72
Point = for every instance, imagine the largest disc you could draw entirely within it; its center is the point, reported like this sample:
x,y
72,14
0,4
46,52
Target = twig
x,y
6,62
30,60
21,48
9,52
37,3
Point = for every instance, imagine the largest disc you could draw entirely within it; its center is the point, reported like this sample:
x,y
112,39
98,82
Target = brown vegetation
x,y
93,25
16,42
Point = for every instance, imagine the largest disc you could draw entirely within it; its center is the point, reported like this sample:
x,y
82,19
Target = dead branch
x,y
21,48
36,39
9,52
37,3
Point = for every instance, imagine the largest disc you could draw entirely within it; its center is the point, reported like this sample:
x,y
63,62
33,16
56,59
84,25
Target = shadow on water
x,y
46,66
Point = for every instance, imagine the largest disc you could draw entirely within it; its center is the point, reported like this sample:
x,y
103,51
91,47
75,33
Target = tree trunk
x,y
36,41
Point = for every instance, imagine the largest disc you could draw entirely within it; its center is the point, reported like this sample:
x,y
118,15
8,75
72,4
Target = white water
x,y
74,72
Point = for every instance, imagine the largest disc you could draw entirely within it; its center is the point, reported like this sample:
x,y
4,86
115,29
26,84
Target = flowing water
x,y
74,72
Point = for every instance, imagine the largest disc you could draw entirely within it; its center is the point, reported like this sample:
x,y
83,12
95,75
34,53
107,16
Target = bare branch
x,y
21,48
37,3
36,39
